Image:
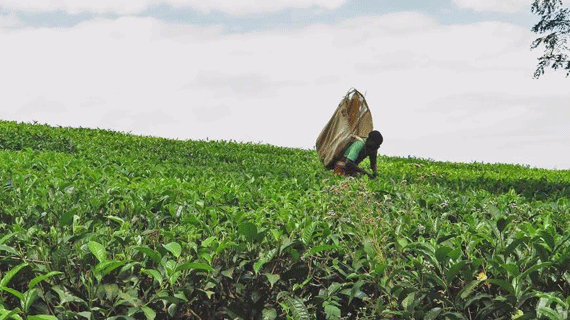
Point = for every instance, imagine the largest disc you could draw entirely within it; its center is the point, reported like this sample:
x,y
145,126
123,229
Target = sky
x,y
448,80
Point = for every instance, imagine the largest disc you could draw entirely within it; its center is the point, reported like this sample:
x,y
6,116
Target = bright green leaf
x,y
14,292
153,273
466,291
273,278
308,233
11,273
409,302
257,265
228,273
8,249
298,309
549,313
98,250
148,312
174,248
503,284
150,253
108,266
208,241
534,268
332,312
29,297
324,247
6,237
10,314
37,279
194,266
116,219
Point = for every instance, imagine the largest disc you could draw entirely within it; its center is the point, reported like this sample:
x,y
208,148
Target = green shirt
x,y
354,150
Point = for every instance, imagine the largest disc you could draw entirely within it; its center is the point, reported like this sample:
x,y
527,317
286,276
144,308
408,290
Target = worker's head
x,y
374,140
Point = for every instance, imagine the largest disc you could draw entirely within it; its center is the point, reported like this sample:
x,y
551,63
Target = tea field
x,y
96,224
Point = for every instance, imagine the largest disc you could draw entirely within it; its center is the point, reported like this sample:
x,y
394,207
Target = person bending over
x,y
357,151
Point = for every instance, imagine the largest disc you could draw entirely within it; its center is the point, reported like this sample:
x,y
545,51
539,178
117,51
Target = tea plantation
x,y
97,224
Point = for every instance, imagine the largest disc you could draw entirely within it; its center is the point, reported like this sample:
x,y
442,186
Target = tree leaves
x,y
554,20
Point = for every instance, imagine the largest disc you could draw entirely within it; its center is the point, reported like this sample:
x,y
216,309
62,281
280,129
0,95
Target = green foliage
x,y
129,227
16,137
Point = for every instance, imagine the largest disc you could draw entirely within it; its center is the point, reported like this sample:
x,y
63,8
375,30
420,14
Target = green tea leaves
x,y
98,250
194,266
43,277
249,231
98,224
11,274
298,309
174,248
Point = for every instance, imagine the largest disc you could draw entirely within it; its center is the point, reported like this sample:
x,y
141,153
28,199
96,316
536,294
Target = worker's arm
x,y
351,165
373,164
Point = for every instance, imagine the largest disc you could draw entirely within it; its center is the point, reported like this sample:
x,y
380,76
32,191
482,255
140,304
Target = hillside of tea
x,y
96,224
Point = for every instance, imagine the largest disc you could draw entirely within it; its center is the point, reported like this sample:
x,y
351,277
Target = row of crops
x,y
97,224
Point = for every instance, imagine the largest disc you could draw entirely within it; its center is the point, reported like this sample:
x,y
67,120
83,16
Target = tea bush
x,y
96,224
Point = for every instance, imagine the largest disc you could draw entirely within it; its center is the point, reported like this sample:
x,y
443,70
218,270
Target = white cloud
x,y
78,6
254,6
459,92
9,21
505,6
136,6
494,5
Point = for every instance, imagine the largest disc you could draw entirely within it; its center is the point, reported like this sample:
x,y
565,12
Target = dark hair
x,y
376,137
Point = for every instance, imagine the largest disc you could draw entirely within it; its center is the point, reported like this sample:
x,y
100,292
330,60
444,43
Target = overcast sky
x,y
449,80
